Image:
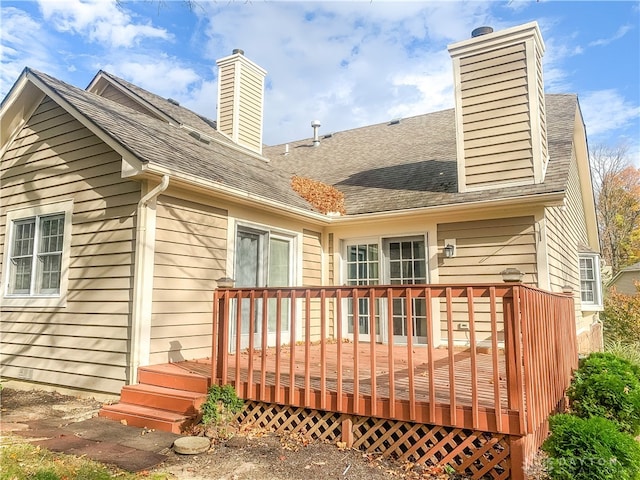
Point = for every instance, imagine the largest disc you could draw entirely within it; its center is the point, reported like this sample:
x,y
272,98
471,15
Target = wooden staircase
x,y
166,398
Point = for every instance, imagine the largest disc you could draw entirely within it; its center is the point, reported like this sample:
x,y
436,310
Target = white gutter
x,y
548,199
143,280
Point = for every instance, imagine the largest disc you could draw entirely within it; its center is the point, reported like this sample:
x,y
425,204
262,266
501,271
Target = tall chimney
x,y
500,113
241,100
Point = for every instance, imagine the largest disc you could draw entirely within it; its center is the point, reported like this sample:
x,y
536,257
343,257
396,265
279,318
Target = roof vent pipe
x,y
315,124
477,32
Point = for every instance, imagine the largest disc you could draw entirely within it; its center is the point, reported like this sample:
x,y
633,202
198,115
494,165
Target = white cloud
x,y
99,21
347,64
621,32
163,76
24,44
606,110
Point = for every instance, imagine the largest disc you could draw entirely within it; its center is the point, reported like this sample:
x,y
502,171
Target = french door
x,y
389,261
262,259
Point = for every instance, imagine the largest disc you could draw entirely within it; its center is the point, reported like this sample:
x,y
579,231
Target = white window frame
x,y
383,269
58,299
596,304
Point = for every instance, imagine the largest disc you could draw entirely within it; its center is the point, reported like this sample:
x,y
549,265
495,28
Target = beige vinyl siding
x,y
112,93
566,233
542,115
496,120
226,102
250,110
190,255
240,96
85,344
312,275
484,248
311,259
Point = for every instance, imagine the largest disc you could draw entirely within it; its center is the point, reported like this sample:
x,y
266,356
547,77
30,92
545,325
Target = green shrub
x,y
221,404
590,449
607,386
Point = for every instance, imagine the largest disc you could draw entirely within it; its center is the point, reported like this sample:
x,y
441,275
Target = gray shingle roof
x,y
180,114
379,168
156,142
412,164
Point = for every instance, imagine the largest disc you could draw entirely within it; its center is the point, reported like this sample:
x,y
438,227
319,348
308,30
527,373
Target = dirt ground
x,y
244,455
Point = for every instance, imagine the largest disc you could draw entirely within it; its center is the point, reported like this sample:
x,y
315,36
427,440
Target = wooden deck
x,y
482,406
529,336
268,385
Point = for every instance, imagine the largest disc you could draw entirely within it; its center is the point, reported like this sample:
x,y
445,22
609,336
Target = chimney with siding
x,y
501,130
240,100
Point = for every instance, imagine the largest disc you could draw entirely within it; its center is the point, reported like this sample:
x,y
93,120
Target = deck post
x,y
223,339
513,389
347,431
517,454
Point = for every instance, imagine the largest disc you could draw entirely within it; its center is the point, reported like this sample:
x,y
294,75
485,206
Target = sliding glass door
x,y
262,259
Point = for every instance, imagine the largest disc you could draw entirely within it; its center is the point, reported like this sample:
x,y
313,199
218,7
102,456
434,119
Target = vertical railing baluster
x,y
323,349
372,351
392,366
410,363
278,359
215,314
238,344
494,359
430,353
339,391
252,329
517,331
307,348
356,348
453,413
292,351
263,356
223,344
474,358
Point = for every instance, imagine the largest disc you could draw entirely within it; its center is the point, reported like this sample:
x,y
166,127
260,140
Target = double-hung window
x,y
37,254
590,287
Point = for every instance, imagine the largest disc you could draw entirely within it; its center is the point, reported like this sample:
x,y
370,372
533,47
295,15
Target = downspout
x,y
143,280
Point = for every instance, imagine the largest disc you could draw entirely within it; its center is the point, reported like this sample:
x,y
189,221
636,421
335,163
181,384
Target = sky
x,y
346,64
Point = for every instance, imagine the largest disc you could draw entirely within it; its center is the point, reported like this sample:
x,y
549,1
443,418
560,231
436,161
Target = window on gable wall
x,y
590,285
38,254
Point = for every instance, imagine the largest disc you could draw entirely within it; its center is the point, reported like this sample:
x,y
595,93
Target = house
x,y
626,280
121,211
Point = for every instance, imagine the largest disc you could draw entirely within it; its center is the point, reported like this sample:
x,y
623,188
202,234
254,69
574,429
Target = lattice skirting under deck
x,y
473,453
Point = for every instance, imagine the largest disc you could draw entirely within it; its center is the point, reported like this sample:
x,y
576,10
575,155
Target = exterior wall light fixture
x,y
511,275
450,250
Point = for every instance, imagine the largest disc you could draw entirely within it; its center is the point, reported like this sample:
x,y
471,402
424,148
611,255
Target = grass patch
x,y
628,351
23,461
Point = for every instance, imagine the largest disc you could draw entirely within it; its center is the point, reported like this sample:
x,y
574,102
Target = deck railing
x,y
495,358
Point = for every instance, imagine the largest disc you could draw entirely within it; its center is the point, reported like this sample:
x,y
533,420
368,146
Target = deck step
x,y
180,401
146,417
172,376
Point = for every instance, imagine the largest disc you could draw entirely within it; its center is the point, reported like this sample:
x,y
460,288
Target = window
x,y
590,289
387,261
37,255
